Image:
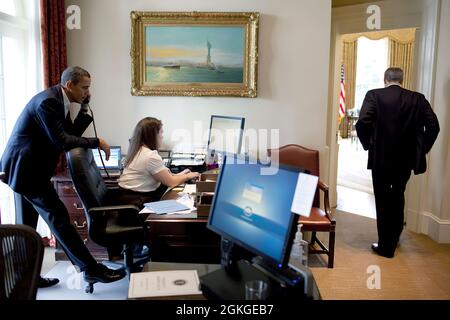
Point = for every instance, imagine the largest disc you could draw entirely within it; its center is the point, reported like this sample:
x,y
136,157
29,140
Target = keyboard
x,y
187,162
112,173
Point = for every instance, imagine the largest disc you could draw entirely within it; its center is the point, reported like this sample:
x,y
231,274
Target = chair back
x,y
91,189
298,156
21,254
86,177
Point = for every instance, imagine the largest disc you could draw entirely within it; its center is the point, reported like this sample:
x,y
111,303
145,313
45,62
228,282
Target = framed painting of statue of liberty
x,y
194,53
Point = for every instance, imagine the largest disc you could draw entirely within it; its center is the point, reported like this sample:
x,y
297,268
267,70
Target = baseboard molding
x,y
427,223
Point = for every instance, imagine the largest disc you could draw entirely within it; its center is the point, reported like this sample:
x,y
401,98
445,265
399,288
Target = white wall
x,y
438,186
294,39
427,206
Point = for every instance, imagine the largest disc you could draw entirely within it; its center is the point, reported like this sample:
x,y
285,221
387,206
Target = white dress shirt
x,y
138,175
66,102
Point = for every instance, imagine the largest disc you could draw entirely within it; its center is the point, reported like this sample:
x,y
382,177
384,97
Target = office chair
x,y
319,220
110,224
21,254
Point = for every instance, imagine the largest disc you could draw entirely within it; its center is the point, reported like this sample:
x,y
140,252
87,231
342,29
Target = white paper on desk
x,y
190,188
164,283
146,210
188,213
184,199
304,194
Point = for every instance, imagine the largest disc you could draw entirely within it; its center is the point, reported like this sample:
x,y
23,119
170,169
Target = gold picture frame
x,y
194,53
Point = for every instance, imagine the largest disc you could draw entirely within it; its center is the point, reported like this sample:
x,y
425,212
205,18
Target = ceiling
x,y
343,3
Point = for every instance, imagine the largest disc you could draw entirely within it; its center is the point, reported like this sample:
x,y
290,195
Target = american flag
x,y
342,95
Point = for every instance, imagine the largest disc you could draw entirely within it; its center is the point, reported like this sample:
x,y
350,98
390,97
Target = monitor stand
x,y
295,279
229,283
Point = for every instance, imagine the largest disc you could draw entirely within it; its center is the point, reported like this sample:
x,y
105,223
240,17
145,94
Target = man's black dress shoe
x,y
100,273
381,252
47,282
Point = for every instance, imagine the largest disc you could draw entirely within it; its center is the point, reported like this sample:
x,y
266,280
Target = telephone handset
x,y
87,99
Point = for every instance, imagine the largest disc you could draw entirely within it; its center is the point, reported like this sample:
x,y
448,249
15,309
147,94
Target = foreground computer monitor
x,y
225,134
254,210
114,159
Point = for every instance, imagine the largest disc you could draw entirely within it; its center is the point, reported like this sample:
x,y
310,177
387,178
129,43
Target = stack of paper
x,y
183,205
166,206
164,284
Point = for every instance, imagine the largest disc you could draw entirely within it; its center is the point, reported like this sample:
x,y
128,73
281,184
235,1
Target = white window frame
x,y
25,27
358,102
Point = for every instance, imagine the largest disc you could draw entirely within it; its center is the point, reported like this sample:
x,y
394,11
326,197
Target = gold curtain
x,y
401,49
349,49
401,55
400,35
349,60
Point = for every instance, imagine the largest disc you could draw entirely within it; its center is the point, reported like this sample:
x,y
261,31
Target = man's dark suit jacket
x,y
398,127
40,134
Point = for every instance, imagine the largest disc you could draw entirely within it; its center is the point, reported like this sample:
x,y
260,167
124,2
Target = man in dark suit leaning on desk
x,y
43,130
398,127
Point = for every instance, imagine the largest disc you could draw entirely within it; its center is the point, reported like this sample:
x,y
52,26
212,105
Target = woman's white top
x,y
138,175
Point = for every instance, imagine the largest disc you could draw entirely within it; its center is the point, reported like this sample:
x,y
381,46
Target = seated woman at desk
x,y
145,178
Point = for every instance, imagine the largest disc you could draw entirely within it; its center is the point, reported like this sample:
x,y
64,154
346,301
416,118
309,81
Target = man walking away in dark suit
x,y
43,130
398,127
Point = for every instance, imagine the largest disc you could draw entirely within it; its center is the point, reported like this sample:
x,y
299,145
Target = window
x,y
19,74
8,7
371,63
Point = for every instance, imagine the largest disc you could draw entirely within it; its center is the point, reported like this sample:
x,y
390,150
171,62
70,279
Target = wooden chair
x,y
319,220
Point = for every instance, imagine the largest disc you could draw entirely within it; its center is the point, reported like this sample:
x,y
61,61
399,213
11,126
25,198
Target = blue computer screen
x,y
254,209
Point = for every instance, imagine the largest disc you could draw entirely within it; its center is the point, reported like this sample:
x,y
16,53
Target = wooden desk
x,y
182,239
202,269
68,195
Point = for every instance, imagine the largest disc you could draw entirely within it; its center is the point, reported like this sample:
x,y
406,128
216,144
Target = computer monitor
x,y
225,134
114,159
254,210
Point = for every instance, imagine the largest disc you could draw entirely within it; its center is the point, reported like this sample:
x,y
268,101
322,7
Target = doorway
x,y
366,57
